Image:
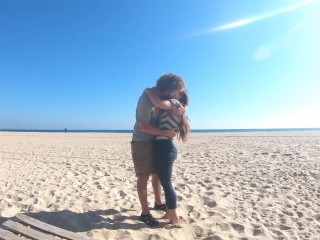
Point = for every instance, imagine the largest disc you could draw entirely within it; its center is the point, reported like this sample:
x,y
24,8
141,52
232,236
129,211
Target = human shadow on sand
x,y
83,222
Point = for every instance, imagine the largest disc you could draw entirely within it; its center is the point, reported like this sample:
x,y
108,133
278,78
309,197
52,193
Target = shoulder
x,y
144,99
144,107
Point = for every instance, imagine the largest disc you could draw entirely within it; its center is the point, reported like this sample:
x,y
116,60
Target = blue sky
x,y
84,64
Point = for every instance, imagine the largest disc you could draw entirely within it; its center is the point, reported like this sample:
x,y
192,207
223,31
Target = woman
x,y
165,151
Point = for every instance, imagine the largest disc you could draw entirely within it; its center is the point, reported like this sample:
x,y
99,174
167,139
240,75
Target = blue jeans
x,y
165,154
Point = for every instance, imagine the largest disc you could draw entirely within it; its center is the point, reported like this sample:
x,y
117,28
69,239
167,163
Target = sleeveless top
x,y
169,121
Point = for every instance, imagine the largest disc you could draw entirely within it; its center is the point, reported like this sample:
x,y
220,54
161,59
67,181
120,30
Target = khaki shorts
x,y
142,155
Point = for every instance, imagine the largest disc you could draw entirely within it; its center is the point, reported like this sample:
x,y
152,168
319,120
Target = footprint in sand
x,y
98,186
277,232
317,217
258,232
223,226
288,213
194,214
209,188
18,199
122,194
238,227
209,202
207,180
253,185
52,193
189,208
9,205
287,154
284,227
300,214
199,231
212,204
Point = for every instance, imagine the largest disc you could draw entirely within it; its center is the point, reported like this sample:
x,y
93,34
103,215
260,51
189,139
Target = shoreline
x,y
192,134
253,130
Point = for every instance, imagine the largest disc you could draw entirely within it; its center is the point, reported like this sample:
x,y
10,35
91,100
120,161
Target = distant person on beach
x,y
65,130
142,145
165,151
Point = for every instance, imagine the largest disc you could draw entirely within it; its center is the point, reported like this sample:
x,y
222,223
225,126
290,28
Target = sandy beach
x,y
229,185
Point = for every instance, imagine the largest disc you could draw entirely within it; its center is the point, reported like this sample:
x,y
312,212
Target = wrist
x,y
165,133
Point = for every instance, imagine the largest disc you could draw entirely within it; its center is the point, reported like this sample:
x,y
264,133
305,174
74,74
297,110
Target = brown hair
x,y
184,126
170,82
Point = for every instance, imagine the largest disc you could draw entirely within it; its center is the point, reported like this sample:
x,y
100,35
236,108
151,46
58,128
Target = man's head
x,y
170,85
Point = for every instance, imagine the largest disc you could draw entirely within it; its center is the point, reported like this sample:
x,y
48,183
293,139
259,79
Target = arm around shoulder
x,y
159,103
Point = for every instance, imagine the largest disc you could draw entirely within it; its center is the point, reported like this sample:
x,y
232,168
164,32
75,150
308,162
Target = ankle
x,y
145,213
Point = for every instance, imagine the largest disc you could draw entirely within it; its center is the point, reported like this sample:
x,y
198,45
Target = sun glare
x,y
246,21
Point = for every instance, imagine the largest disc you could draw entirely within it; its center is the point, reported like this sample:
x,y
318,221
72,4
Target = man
x,y
145,129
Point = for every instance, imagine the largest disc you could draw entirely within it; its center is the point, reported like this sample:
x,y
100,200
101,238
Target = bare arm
x,y
147,128
165,104
159,103
179,111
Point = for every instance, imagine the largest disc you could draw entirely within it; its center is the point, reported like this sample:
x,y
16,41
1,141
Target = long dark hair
x,y
184,126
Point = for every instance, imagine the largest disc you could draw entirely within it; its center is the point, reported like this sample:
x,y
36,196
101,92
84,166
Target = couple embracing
x,y
160,116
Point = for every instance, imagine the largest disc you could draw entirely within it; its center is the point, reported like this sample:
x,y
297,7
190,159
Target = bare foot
x,y
178,221
166,216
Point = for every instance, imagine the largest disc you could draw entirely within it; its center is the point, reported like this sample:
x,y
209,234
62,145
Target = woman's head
x,y
184,97
181,96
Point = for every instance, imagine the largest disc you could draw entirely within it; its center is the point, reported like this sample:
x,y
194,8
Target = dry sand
x,y
229,185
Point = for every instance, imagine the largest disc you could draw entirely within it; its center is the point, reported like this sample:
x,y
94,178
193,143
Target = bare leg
x,y
142,193
173,216
156,188
166,215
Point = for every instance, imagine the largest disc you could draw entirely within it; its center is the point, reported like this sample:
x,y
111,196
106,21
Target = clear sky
x,y
83,64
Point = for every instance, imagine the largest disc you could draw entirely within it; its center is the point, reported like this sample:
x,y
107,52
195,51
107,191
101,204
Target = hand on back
x,y
170,133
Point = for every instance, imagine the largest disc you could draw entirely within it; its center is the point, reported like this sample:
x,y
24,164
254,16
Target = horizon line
x,y
131,130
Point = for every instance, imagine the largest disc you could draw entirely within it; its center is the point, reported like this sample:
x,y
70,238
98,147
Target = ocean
x,y
195,130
